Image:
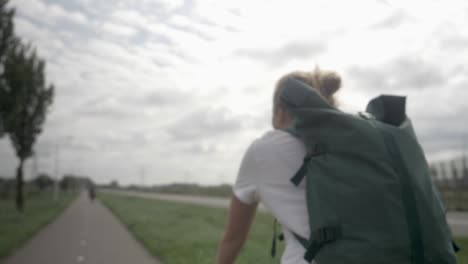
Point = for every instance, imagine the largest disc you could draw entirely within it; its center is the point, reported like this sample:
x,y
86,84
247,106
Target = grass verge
x,y
462,242
179,233
16,228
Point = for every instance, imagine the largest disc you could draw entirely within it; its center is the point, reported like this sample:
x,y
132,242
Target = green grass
x,y
179,233
463,254
455,198
16,228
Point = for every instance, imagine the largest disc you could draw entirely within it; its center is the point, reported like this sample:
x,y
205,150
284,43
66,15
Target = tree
x,y
73,182
455,174
114,184
6,188
7,42
434,173
443,174
28,98
7,38
464,171
68,182
43,181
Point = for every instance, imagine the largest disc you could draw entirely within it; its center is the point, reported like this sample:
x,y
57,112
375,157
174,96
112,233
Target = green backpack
x,y
369,193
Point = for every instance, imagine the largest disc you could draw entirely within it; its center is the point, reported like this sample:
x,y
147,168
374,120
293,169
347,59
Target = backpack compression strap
x,y
319,238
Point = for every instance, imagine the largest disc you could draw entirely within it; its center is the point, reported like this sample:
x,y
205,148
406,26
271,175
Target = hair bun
x,y
327,83
330,83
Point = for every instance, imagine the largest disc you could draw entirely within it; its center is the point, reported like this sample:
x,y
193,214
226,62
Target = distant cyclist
x,y
91,191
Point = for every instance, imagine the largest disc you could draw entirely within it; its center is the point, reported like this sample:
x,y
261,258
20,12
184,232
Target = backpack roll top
x,y
299,95
360,173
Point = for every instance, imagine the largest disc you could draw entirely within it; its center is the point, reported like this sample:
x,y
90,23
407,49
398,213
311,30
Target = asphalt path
x,y
86,232
458,221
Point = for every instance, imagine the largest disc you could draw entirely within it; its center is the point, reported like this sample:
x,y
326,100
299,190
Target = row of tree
x,y
44,182
452,173
24,94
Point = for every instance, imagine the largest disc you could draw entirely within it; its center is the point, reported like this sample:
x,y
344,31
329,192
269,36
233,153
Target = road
x,y
86,232
459,223
458,220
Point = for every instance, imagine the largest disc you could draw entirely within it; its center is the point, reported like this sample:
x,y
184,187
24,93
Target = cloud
x,y
146,78
47,147
406,72
442,134
129,17
392,21
52,14
106,110
180,21
455,43
280,56
43,38
175,29
119,30
131,108
178,37
219,13
198,148
165,97
452,39
59,13
145,7
204,123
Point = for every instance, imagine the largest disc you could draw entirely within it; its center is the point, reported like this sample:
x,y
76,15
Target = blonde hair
x,y
327,83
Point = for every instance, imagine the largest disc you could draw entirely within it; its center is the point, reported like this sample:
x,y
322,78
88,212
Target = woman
x,y
264,174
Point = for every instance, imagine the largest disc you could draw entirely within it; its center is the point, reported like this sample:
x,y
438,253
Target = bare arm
x,y
240,219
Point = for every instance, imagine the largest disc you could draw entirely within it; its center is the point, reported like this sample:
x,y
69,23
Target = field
x,y
179,233
463,254
16,228
455,199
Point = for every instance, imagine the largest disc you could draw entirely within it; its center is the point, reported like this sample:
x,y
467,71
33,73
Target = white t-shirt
x,y
264,176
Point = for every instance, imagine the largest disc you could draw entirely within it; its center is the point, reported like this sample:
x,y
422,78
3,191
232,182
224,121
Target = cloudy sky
x,y
160,91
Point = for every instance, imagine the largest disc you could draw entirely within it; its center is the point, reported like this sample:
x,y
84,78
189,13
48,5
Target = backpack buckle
x,y
328,234
319,149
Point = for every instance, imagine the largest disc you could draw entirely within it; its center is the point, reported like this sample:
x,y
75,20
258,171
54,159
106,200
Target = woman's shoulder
x,y
274,140
277,135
